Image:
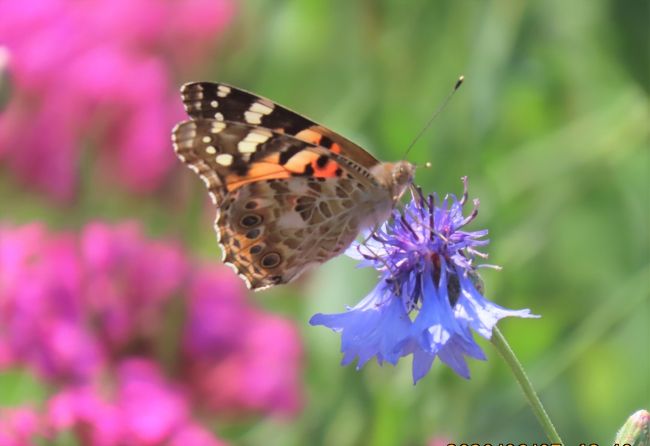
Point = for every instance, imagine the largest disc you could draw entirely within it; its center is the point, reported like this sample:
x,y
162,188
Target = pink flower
x,y
217,311
99,72
41,316
69,305
76,308
145,409
89,313
18,427
152,408
194,435
241,359
95,421
130,280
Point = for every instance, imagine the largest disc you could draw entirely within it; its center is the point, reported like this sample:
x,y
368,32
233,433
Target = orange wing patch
x,y
258,172
313,164
313,136
321,165
310,136
302,163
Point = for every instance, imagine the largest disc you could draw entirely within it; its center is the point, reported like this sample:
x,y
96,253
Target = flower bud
x,y
635,431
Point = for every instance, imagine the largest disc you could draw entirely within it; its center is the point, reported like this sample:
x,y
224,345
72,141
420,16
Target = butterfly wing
x,y
228,155
208,100
272,230
289,192
283,204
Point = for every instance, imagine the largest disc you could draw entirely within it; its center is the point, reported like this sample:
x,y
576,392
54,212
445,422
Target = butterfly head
x,y
402,175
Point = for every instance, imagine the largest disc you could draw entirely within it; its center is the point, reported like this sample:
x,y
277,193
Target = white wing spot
x,y
218,116
217,126
197,105
224,159
258,136
214,104
211,150
252,117
206,139
258,107
247,146
254,114
223,91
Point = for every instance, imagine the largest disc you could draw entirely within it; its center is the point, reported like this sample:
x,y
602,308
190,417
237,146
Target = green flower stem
x,y
536,405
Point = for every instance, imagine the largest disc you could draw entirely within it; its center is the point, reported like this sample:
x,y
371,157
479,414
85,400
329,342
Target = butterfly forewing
x,y
207,100
227,155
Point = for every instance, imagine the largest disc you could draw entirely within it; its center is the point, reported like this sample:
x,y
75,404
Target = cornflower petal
x,y
367,329
429,298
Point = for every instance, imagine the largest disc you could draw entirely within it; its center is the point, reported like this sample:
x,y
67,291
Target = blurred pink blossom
x,y
68,305
194,435
95,309
99,72
144,409
41,316
216,313
18,427
152,408
243,359
83,411
129,281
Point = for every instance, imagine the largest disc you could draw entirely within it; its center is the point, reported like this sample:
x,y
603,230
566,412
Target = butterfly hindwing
x,y
208,100
271,231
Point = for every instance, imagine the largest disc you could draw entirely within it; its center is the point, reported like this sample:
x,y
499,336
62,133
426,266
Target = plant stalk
x,y
508,355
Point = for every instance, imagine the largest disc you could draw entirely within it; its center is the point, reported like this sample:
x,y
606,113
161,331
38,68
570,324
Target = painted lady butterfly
x,y
289,193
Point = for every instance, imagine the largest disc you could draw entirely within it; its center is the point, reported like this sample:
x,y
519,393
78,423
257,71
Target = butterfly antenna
x,y
442,106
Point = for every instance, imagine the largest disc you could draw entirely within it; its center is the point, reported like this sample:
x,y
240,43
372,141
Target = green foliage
x,y
551,127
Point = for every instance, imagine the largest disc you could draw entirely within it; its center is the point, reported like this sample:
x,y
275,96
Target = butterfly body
x,y
289,193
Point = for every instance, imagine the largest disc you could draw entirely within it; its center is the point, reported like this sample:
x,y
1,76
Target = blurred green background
x,y
551,126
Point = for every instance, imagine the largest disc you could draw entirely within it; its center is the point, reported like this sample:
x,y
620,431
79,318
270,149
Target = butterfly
x,y
290,193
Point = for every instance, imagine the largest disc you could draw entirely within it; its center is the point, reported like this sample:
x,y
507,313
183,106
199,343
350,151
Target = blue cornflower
x,y
429,296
